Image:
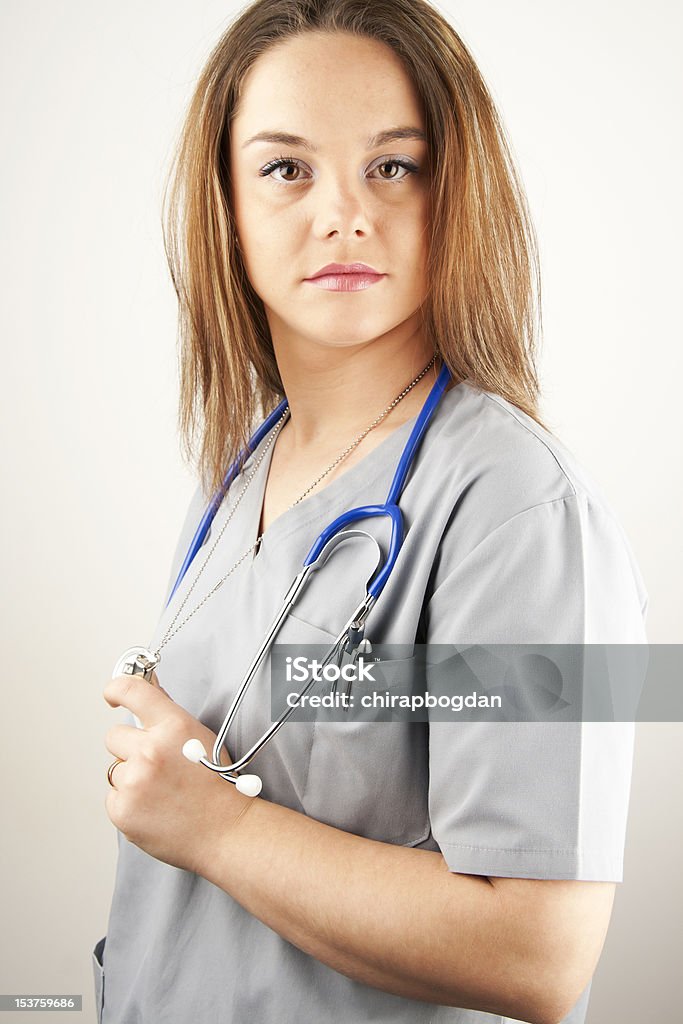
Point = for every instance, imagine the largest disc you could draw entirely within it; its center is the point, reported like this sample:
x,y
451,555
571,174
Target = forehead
x,y
322,85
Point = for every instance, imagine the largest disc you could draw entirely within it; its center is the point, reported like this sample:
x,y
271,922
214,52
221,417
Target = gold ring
x,y
113,765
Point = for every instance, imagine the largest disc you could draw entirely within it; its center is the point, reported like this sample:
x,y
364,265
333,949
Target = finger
x,y
122,741
149,703
155,682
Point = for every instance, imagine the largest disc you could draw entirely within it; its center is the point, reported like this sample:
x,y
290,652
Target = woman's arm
x,y
389,916
396,917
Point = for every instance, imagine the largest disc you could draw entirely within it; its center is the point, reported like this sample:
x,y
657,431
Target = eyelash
x,y
285,161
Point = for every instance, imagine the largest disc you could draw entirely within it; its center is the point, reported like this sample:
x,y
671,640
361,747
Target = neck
x,y
336,393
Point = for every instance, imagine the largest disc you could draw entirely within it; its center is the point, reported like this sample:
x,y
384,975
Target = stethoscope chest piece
x,y
136,661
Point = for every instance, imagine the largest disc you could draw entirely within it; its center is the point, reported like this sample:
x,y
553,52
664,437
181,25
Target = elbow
x,y
551,1005
523,1003
555,987
534,989
540,942
553,1008
548,1014
549,979
558,945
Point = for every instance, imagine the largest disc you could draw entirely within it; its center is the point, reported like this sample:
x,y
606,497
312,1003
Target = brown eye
x,y
289,170
389,164
390,170
289,167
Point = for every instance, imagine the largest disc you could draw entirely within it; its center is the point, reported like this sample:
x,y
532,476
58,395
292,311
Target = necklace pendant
x,y
136,661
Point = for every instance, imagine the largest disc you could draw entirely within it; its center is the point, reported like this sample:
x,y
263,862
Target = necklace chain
x,y
171,631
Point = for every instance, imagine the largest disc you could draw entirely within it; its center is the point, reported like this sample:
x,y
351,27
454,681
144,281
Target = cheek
x,y
406,224
263,241
255,255
409,238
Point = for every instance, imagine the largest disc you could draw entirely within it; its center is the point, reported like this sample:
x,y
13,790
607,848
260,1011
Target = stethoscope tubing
x,y
389,508
334,533
214,504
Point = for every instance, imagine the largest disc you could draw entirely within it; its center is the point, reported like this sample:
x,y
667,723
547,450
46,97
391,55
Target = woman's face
x,y
336,194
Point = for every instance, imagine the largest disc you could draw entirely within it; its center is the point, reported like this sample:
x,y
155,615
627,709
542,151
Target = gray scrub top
x,y
507,540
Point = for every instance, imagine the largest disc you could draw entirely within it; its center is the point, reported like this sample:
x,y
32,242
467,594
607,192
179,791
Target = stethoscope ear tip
x,y
249,785
194,750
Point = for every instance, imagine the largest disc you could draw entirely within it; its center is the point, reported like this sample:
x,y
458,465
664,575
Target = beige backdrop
x,y
95,491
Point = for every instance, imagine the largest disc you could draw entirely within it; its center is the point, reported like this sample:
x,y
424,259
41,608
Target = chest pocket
x,y
370,778
367,777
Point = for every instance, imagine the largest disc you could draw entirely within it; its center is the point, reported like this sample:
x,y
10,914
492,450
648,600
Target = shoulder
x,y
487,446
506,450
505,479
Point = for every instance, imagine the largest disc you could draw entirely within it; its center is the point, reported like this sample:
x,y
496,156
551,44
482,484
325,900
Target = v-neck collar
x,y
331,500
325,504
337,496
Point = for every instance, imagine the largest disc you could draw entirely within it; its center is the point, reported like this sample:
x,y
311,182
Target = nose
x,y
340,209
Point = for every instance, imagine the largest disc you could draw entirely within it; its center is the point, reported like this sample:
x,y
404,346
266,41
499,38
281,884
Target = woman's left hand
x,y
171,808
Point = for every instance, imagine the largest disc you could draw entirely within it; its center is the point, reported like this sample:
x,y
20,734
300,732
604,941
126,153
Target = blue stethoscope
x,y
351,640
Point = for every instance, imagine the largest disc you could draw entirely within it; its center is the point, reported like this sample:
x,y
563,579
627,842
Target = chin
x,y
344,334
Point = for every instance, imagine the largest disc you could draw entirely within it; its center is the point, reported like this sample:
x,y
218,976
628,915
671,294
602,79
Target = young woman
x,y
346,229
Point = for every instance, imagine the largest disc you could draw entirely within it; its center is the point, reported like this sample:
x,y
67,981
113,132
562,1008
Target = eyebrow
x,y
380,139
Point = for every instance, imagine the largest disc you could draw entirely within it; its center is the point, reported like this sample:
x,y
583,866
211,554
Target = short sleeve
x,y
536,799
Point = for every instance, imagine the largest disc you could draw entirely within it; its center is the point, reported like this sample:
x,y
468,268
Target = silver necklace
x,y
142,661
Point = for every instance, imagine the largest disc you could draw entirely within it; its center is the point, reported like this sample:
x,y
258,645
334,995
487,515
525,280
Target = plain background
x,y
95,490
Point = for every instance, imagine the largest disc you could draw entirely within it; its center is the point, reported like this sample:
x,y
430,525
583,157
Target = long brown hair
x,y
483,312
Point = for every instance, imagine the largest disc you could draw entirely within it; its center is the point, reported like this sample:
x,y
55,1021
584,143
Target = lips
x,y
343,268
